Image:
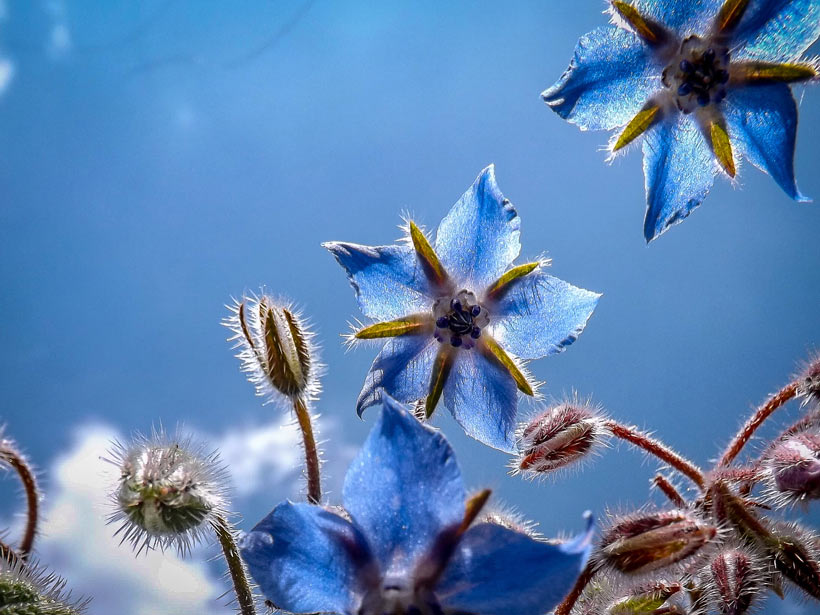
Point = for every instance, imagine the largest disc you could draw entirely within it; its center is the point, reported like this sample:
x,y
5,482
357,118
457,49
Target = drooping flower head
x,y
169,493
704,81
407,541
460,316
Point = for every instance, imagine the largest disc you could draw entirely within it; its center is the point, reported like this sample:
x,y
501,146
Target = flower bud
x,y
733,580
559,437
795,556
649,541
644,599
28,589
169,491
793,467
276,348
808,386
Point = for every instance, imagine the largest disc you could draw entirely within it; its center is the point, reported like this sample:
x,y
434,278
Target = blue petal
x,y
541,315
388,280
483,398
609,79
497,571
679,169
777,30
403,488
307,560
478,239
682,18
762,123
403,368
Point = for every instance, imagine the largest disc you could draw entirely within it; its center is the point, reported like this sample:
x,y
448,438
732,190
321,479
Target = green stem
x,y
312,465
244,595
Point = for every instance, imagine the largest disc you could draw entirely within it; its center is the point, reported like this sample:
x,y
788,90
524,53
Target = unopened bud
x,y
794,467
649,541
27,589
559,437
795,556
734,581
168,493
808,386
644,599
275,348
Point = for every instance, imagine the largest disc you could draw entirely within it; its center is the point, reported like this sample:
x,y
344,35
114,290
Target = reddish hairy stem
x,y
312,465
12,457
763,412
668,489
567,603
660,450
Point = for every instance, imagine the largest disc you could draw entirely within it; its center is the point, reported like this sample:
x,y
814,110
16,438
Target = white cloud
x,y
6,73
77,543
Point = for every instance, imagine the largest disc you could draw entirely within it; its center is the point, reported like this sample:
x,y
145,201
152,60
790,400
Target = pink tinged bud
x,y
650,541
809,381
794,465
559,437
735,581
795,556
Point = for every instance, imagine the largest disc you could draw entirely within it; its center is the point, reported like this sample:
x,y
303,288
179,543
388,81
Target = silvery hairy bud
x,y
793,468
649,541
558,437
795,555
170,491
733,580
276,348
26,589
808,386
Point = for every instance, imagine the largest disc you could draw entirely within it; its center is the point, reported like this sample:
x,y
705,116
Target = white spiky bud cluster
x,y
276,348
170,491
28,589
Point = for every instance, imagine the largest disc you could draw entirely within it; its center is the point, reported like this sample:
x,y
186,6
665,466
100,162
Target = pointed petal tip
x,y
582,543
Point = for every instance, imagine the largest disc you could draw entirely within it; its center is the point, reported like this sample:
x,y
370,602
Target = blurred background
x,y
159,157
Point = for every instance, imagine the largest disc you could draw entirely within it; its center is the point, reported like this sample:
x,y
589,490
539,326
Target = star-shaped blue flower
x,y
704,81
460,317
409,541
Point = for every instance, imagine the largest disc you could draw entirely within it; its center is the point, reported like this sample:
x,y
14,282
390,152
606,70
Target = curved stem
x,y
12,457
756,420
659,450
668,489
244,595
567,603
312,465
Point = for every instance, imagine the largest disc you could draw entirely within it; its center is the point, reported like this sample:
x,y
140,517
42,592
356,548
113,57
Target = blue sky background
x,y
158,157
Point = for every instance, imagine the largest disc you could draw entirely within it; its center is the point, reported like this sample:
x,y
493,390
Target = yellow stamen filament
x,y
642,26
722,147
429,260
393,328
441,370
637,126
507,362
730,14
767,71
501,285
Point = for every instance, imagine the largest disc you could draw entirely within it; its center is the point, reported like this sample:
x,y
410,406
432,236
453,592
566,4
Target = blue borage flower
x,y
408,541
461,317
704,81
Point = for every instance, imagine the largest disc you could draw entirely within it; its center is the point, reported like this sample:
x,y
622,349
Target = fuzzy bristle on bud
x,y
169,493
559,437
733,581
794,553
649,541
644,599
276,348
793,468
27,589
808,386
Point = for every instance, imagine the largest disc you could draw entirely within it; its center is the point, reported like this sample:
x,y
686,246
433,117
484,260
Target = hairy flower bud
x,y
648,541
276,348
558,437
644,599
793,468
809,381
26,589
795,556
169,492
733,581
